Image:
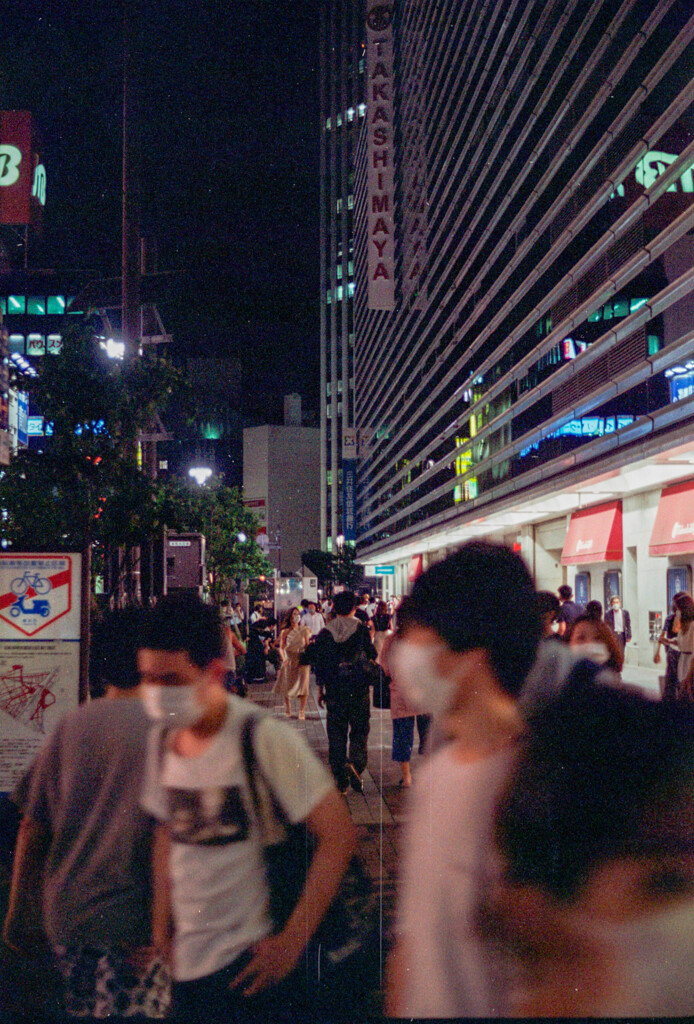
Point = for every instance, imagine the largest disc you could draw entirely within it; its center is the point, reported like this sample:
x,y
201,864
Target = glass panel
x,y
3,304
54,343
36,345
621,307
36,305
16,304
55,304
17,343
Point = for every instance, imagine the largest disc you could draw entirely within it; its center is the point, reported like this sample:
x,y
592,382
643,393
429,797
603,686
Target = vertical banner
x,y
380,155
349,485
414,188
40,597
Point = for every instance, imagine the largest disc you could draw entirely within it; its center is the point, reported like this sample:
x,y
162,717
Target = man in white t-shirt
x,y
211,897
313,619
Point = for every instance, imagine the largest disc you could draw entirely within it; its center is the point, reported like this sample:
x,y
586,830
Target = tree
x,y
331,568
82,491
229,527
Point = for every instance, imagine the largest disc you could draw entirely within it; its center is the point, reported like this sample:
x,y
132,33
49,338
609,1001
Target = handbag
x,y
352,918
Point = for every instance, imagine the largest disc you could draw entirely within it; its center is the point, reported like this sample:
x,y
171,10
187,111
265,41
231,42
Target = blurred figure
x,y
595,909
596,641
668,640
619,621
594,610
553,662
569,610
380,625
81,879
403,718
685,646
449,662
313,619
292,678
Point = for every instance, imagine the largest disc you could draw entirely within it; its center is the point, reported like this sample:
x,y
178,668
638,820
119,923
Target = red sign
x,y
22,175
673,530
594,535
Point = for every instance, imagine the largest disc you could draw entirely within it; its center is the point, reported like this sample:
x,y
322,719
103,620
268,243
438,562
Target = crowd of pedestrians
x,y
545,864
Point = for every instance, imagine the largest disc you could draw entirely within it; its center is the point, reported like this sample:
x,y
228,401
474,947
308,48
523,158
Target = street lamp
x,y
201,474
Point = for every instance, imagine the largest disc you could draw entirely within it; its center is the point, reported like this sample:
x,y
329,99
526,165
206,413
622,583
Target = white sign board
x,y
39,653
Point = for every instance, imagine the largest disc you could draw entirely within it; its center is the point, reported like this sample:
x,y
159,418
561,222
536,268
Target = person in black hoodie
x,y
340,655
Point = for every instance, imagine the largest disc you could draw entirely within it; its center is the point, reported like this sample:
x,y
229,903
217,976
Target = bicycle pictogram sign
x,y
35,591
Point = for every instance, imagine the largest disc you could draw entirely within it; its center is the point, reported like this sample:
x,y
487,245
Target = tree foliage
x,y
333,568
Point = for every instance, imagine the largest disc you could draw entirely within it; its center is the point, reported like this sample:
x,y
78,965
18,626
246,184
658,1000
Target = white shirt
x,y
219,892
447,866
618,620
314,621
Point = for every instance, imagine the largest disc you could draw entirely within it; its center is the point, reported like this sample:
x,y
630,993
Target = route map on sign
x,y
26,697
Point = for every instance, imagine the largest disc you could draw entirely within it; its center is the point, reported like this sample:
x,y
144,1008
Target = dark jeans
x,y
348,720
210,1000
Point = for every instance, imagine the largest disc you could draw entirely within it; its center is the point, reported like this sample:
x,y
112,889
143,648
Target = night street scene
x,y
346,510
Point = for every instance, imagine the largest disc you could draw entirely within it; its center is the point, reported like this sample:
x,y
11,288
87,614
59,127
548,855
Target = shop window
x,y
582,587
679,578
36,305
55,304
36,345
16,304
612,585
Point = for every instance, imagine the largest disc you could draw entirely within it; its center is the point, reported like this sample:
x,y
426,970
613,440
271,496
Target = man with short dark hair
x,y
569,611
208,855
338,655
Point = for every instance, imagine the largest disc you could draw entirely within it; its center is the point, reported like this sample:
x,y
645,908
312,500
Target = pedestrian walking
x,y
82,872
313,619
569,610
685,646
450,663
211,888
594,640
668,640
340,655
619,621
553,662
292,677
594,907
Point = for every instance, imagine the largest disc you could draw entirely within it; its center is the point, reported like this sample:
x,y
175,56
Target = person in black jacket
x,y
340,655
619,621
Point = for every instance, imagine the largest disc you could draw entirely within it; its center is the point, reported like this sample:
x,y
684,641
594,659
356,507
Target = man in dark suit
x,y
619,621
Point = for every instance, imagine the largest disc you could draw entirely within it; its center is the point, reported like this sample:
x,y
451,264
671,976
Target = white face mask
x,y
653,962
595,652
424,689
177,706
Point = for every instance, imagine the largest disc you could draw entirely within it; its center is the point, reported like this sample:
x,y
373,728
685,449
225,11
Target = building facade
x,y
534,379
342,113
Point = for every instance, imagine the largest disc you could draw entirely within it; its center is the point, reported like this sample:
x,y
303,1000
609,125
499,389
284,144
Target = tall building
x,y
532,379
342,113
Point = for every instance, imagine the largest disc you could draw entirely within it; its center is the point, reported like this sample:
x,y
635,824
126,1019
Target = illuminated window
x,y
635,304
338,293
338,206
54,344
362,109
55,304
3,304
350,268
16,304
339,271
350,289
350,113
338,120
36,345
36,305
595,317
328,296
329,478
350,202
621,307
328,124
607,311
17,343
653,344
68,300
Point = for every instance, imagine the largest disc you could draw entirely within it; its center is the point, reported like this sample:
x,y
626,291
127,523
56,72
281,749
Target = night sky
x,y
227,106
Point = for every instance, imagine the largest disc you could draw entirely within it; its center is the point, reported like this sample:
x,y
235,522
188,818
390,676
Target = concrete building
x,y
281,484
532,379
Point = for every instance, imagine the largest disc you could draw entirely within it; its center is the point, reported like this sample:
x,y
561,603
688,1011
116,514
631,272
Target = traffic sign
x,y
384,570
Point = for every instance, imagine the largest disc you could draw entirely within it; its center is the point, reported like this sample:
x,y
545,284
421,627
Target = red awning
x,y
594,535
416,568
673,530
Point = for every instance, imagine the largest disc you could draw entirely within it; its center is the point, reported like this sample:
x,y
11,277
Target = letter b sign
x,y
10,159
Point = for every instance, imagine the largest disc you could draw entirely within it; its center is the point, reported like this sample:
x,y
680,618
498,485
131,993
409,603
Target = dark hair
x,y
287,620
113,653
547,603
603,773
344,602
565,592
603,635
594,610
685,606
382,608
482,596
184,623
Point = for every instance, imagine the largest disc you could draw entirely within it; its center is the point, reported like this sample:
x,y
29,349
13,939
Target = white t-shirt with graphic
x,y
219,892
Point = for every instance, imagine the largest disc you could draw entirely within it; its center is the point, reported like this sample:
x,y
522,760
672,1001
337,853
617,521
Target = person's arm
x,y
396,978
23,929
276,956
162,920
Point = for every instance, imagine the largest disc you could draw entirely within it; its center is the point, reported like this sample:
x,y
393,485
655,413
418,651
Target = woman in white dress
x,y
292,678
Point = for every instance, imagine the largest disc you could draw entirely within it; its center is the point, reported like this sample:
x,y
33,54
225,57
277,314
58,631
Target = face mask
x,y
595,652
424,689
172,705
652,958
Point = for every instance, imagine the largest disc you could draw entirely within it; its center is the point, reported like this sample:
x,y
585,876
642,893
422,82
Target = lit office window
x,y
36,305
328,123
17,343
338,206
55,304
635,304
350,289
350,202
328,296
338,293
621,307
338,120
362,109
3,304
16,304
350,113
54,344
350,268
339,271
36,345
